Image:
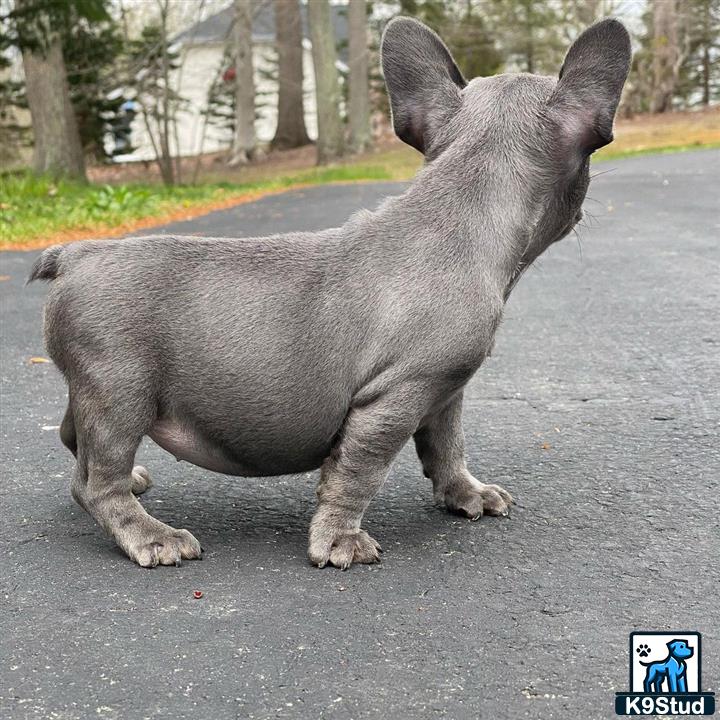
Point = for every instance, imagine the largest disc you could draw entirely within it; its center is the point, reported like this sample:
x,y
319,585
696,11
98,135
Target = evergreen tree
x,y
529,34
36,28
462,26
92,52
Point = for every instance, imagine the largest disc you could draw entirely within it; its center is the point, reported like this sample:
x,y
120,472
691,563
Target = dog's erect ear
x,y
591,81
422,79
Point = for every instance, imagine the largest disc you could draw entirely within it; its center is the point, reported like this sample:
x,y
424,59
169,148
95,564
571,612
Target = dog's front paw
x,y
342,548
473,499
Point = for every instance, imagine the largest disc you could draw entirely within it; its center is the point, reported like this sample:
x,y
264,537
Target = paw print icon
x,y
643,650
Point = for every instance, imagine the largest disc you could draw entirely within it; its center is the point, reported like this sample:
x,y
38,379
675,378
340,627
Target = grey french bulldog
x,y
282,354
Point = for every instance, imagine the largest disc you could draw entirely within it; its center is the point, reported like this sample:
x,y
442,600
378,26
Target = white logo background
x,y
659,652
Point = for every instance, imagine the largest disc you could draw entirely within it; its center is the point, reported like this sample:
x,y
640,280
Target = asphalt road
x,y
599,410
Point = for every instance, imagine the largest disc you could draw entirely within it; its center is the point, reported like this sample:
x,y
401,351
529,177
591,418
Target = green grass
x,y
36,210
35,207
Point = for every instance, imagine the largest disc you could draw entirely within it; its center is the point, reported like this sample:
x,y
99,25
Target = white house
x,y
203,60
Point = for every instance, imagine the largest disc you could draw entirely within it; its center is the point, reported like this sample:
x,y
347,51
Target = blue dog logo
x,y
670,672
665,676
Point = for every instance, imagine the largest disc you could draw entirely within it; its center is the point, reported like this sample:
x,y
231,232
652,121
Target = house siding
x,y
201,64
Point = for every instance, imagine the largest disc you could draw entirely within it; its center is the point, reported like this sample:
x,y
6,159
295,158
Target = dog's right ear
x,y
422,79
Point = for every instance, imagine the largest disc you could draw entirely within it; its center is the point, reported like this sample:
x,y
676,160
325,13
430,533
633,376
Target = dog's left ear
x,y
590,84
422,79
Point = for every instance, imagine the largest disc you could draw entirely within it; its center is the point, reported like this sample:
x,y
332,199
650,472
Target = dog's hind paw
x,y
141,481
473,499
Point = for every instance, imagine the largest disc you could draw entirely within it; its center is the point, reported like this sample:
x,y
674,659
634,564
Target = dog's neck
x,y
487,228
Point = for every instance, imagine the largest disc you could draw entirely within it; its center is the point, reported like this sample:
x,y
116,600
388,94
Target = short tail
x,y
47,266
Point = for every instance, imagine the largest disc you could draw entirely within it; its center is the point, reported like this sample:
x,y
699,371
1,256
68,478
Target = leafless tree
x,y
669,50
327,82
166,120
291,131
359,101
244,141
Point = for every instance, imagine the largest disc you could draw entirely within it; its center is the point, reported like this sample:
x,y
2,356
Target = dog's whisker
x,y
579,244
602,172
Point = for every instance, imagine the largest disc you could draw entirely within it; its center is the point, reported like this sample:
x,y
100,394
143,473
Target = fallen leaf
x,y
37,360
545,446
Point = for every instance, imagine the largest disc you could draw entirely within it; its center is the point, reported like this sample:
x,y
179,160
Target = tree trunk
x,y
359,110
667,58
57,148
707,40
243,147
327,82
528,21
165,160
291,131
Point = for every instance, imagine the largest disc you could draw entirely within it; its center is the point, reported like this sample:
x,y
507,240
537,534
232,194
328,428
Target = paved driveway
x,y
599,410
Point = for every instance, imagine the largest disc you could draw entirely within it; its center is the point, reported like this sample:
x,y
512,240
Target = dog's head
x,y
679,649
520,143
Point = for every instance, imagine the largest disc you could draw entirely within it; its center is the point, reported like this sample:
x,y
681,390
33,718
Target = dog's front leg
x,y
360,460
440,444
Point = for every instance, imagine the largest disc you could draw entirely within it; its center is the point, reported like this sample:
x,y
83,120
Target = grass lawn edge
x,y
191,211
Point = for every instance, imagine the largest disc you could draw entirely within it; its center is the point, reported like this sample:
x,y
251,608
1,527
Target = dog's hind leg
x,y
140,477
440,445
109,427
